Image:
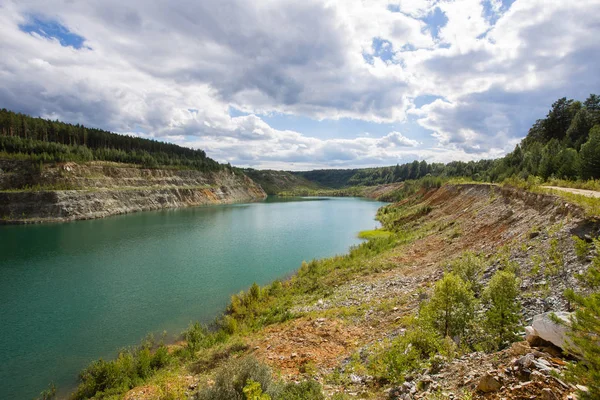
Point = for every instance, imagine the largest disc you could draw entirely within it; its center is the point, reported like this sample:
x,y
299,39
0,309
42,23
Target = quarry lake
x,y
71,293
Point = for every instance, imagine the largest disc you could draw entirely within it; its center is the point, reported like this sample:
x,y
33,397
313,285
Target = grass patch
x,y
590,205
374,234
592,184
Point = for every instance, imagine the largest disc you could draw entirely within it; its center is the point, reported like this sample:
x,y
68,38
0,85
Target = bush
x,y
234,376
307,390
132,367
49,393
253,391
407,353
469,267
195,337
582,248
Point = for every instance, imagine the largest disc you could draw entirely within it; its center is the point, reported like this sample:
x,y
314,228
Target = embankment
x,y
70,191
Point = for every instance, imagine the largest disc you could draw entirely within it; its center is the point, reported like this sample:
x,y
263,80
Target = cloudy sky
x,y
302,84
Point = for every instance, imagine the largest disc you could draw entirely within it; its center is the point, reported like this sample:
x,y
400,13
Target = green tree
x,y
451,306
549,162
559,118
579,129
592,105
502,317
568,163
585,332
415,170
469,267
590,155
532,158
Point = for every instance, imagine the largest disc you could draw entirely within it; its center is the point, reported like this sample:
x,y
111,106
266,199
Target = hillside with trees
x,y
42,140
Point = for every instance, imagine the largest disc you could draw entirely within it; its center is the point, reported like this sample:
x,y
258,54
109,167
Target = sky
x,y
303,84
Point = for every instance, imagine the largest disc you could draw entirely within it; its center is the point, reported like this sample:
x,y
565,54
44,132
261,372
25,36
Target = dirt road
x,y
587,193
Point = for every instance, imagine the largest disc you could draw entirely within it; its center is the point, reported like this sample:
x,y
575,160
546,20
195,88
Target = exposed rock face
x,y
101,190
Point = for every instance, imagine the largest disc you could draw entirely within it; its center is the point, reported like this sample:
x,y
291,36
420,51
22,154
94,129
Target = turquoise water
x,y
71,293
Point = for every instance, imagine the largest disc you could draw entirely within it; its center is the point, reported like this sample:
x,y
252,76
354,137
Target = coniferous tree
x,y
590,155
451,307
585,332
502,317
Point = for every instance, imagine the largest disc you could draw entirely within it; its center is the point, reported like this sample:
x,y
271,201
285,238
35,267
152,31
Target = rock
x,y
519,348
545,328
525,361
548,394
489,383
531,335
582,388
537,376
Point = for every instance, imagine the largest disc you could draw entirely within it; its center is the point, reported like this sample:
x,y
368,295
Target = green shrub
x,y
253,391
469,267
406,353
131,367
582,248
306,390
49,393
195,337
232,378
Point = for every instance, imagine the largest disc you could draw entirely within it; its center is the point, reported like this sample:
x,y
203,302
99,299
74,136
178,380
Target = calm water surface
x,y
71,293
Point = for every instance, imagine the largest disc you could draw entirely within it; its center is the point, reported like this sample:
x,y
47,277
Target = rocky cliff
x,y
69,191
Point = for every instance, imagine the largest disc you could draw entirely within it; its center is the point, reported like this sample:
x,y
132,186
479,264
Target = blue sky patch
x,y
234,112
491,15
425,99
51,29
383,49
435,21
393,8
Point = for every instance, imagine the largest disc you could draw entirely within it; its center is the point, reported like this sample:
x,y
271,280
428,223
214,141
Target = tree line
x,y
44,140
565,145
338,178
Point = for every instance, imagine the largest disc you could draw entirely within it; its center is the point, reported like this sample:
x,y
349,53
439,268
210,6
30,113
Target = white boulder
x,y
543,326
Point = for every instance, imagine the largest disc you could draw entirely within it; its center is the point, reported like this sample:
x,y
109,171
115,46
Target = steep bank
x,y
72,191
